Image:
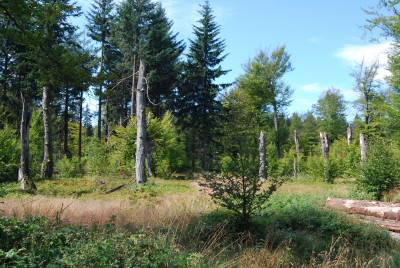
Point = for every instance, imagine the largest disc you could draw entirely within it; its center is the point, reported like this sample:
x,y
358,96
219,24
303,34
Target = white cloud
x,y
355,54
313,87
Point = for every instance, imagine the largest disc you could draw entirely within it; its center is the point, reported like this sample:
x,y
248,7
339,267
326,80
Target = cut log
x,y
383,210
115,189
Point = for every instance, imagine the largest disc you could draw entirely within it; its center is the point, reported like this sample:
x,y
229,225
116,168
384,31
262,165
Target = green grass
x,y
178,227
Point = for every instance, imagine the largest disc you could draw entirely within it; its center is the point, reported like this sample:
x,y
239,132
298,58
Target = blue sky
x,y
325,39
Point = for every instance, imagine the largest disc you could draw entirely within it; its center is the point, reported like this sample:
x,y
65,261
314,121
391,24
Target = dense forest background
x,y
192,124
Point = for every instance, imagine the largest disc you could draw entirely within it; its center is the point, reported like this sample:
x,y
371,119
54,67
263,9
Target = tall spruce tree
x,y
198,106
100,18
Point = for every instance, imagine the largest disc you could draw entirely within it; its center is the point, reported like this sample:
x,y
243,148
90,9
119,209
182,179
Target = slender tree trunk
x,y
140,164
80,125
276,125
100,91
363,148
24,179
133,91
107,119
193,150
325,153
349,134
297,158
47,164
205,153
66,105
263,165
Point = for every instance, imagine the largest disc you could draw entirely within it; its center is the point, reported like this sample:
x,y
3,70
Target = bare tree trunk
x,y
100,91
263,164
325,153
24,179
47,164
193,150
349,134
297,158
80,125
363,147
133,91
65,149
276,125
140,164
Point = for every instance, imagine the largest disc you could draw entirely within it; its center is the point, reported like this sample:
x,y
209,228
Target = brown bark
x,y
66,104
100,92
47,164
263,165
24,179
80,125
140,164
133,91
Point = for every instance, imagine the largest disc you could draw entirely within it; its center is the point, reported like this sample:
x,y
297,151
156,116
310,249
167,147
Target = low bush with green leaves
x,y
380,172
37,242
9,154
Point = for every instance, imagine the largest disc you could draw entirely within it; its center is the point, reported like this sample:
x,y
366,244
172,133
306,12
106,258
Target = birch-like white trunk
x,y
47,164
140,164
296,165
349,134
363,147
263,164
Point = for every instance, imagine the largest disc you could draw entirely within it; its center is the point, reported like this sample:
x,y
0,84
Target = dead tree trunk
x,y
349,134
24,179
66,105
363,147
325,153
383,210
140,164
47,164
263,165
297,158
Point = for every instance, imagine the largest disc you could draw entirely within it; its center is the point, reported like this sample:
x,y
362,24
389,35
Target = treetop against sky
x,y
325,39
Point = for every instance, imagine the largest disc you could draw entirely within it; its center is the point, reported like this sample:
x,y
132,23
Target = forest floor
x,y
295,229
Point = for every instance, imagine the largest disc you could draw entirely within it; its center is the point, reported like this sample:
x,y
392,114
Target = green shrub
x,y
70,168
9,154
380,173
96,157
37,242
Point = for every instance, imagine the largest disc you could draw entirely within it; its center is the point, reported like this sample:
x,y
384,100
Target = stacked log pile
x,y
384,214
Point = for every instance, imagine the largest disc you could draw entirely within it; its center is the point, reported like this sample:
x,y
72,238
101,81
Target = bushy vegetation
x,y
9,154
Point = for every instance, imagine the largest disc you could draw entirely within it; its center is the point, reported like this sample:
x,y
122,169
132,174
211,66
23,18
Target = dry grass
x,y
144,213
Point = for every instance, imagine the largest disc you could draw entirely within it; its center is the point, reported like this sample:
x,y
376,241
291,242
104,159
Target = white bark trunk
x,y
140,164
363,147
263,165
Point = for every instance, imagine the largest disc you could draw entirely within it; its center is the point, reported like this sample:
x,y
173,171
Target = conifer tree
x,y
198,106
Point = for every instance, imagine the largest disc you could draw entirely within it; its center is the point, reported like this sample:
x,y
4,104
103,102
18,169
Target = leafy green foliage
x,y
70,168
9,154
37,242
380,173
168,149
96,157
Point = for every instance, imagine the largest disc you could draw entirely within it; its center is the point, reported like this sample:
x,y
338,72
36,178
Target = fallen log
x,y
383,210
115,189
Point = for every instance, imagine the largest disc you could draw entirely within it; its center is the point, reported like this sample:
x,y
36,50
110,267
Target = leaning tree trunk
x,y
140,164
325,153
263,164
47,164
363,147
24,179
